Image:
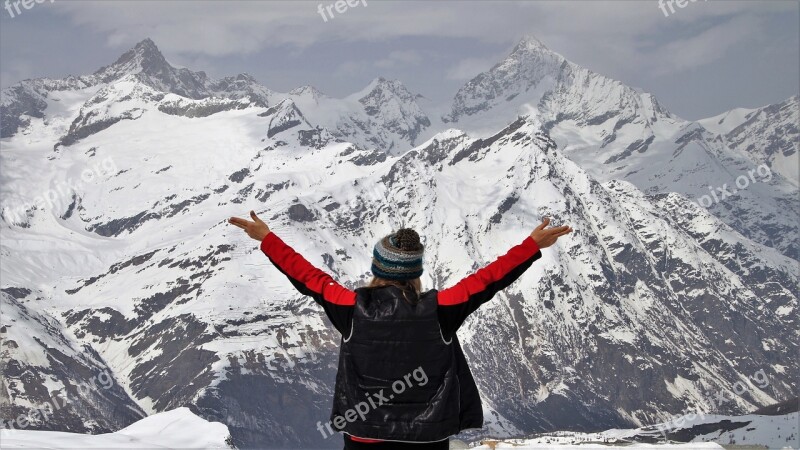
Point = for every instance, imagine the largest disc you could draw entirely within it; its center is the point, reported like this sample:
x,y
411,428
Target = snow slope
x,y
45,369
528,445
768,135
694,430
178,428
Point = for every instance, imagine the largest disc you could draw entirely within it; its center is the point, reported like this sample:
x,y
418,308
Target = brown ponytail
x,y
412,287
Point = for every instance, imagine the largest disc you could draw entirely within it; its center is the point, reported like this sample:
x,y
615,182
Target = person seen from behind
x,y
402,380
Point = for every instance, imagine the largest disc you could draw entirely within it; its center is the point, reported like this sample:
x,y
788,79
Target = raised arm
x,y
335,299
463,298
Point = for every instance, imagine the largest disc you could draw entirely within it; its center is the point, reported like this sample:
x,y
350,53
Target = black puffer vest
x,y
398,378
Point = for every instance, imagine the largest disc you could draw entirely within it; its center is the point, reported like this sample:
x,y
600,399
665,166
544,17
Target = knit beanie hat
x,y
398,256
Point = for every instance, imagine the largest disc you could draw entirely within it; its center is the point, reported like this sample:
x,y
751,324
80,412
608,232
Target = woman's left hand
x,y
256,229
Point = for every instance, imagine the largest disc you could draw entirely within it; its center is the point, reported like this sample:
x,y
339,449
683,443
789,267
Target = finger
x,y
241,223
555,230
255,217
544,223
567,231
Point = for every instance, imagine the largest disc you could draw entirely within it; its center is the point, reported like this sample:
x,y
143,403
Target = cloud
x,y
395,59
350,68
621,35
627,39
468,68
707,46
435,45
16,70
400,57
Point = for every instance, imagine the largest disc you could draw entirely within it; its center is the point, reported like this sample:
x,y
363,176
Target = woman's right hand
x,y
256,229
545,237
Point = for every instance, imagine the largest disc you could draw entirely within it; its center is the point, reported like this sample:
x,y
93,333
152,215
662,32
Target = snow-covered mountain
x,y
769,135
649,308
619,132
383,115
534,79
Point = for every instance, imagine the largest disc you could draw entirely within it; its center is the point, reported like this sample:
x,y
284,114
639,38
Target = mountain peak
x,y
379,80
244,76
148,65
533,50
147,54
307,90
529,43
147,46
143,57
378,84
529,64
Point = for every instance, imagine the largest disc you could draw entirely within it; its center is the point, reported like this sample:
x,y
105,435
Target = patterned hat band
x,y
394,263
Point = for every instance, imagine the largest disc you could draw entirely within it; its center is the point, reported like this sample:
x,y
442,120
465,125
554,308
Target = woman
x,y
402,381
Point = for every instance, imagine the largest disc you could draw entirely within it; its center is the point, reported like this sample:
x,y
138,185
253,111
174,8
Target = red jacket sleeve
x,y
460,300
336,300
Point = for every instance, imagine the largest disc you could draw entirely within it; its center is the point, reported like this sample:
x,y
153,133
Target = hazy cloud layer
x,y
431,46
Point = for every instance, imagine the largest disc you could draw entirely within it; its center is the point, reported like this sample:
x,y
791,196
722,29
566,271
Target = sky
x,y
699,60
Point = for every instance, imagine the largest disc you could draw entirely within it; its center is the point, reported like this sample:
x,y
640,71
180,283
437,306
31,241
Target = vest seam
x,y
442,336
352,322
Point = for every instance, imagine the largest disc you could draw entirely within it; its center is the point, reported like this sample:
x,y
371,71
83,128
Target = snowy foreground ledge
x,y
704,432
178,428
521,445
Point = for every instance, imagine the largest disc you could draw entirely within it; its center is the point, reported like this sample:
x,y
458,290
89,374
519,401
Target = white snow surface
x,y
178,428
527,445
773,432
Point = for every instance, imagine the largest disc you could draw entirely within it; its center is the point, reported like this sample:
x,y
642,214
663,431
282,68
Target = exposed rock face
x,y
50,380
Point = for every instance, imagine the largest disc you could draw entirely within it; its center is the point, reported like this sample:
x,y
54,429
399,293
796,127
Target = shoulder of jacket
x,y
430,293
